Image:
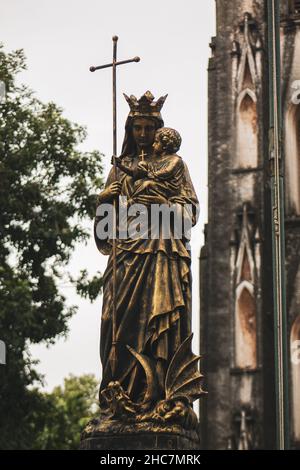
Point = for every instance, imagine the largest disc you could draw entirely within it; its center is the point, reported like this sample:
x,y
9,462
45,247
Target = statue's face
x,y
143,131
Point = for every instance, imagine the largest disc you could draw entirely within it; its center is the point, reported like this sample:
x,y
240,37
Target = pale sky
x,y
61,39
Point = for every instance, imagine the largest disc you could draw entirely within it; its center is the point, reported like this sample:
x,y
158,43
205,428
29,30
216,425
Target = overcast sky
x,y
61,39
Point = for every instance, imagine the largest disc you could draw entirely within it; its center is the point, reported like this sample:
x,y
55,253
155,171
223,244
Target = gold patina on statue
x,y
150,377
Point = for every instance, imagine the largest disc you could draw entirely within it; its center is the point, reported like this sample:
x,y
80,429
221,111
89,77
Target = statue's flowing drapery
x,y
153,299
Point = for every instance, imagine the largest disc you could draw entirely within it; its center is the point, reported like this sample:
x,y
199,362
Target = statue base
x,y
167,424
109,434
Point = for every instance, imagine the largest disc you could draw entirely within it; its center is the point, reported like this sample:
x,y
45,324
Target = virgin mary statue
x,y
153,275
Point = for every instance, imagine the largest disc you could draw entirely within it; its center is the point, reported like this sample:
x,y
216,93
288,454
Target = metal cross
x,y
114,64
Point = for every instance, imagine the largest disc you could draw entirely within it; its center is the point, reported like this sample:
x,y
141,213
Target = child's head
x,y
166,140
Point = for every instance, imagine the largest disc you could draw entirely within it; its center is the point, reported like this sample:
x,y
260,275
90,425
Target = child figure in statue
x,y
163,175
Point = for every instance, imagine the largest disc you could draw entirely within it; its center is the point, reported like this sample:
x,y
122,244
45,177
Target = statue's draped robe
x,y
153,297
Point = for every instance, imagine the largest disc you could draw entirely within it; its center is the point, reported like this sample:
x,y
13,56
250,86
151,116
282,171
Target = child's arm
x,y
141,171
137,173
119,163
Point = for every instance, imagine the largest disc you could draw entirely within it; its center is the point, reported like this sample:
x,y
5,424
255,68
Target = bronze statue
x,y
150,376
156,377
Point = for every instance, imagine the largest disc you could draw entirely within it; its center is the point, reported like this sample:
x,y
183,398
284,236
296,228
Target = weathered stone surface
x,y
230,186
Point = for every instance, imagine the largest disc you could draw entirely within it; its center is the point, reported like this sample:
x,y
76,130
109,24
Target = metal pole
x,y
278,228
114,64
113,357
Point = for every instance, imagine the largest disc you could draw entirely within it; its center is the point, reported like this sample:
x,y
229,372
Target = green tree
x,y
62,415
47,189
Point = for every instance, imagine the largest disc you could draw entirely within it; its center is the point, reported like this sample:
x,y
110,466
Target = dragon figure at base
x,y
182,388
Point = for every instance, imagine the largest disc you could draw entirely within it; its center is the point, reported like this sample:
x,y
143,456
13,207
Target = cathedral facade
x,y
236,317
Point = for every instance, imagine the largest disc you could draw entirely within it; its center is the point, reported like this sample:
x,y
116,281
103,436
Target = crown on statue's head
x,y
145,106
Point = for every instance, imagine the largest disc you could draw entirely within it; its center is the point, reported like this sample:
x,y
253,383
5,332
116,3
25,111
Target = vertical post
x,y
114,72
114,64
113,358
278,227
2,352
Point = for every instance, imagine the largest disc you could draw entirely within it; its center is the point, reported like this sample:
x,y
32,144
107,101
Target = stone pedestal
x,y
113,435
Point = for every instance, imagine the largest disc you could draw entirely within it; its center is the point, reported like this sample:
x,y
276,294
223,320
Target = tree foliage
x,y
63,414
47,189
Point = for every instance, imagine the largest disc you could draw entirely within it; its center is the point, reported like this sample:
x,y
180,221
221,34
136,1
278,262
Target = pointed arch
x,y
245,262
247,68
242,95
246,268
292,155
295,372
248,77
247,141
245,327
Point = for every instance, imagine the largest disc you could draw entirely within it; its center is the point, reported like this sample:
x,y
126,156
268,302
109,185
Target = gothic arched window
x,y
245,324
245,327
247,130
292,156
295,371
